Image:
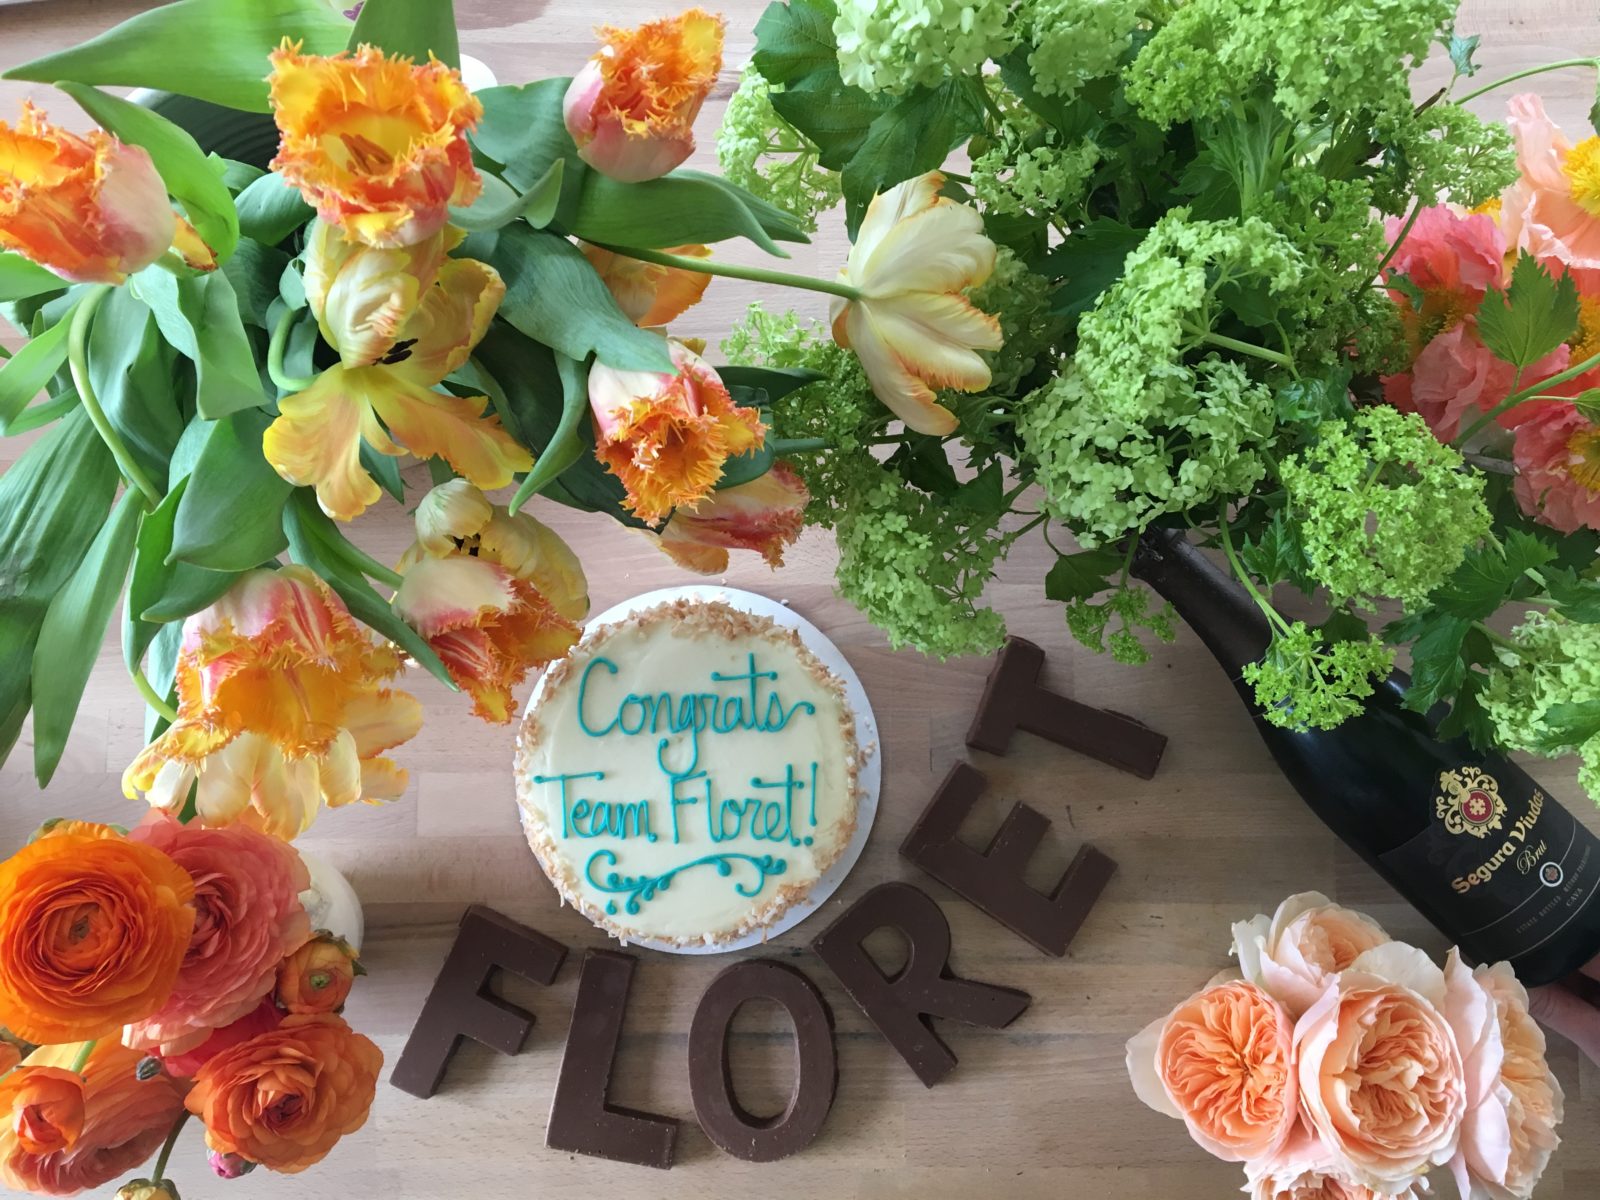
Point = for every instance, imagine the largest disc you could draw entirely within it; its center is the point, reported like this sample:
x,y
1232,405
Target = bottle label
x,y
1504,873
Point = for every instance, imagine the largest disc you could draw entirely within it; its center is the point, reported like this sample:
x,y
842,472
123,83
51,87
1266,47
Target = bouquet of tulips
x,y
1337,1062
163,972
1221,271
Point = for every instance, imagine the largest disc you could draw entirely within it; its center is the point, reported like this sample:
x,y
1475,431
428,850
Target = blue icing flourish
x,y
640,889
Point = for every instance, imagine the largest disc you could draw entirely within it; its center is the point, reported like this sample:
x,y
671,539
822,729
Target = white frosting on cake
x,y
687,773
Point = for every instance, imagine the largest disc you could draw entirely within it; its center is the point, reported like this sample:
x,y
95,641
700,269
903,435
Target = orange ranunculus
x,y
666,436
93,210
631,110
283,1098
377,144
10,1055
396,348
912,327
43,1108
318,976
125,1119
765,515
650,294
282,707
92,934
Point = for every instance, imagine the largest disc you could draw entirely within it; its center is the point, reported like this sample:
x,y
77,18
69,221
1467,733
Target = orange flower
x,y
10,1055
282,708
92,933
764,515
43,1108
378,145
631,110
93,210
125,1119
317,977
648,293
667,436
283,1098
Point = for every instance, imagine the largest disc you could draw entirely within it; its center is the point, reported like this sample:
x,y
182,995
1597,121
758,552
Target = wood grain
x,y
1042,1109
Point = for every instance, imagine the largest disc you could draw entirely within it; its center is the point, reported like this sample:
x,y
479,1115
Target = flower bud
x,y
148,1189
317,977
362,296
229,1166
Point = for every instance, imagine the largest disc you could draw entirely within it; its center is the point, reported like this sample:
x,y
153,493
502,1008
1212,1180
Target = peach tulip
x,y
764,515
650,294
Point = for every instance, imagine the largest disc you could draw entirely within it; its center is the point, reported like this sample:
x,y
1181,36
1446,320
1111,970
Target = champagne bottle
x,y
1469,838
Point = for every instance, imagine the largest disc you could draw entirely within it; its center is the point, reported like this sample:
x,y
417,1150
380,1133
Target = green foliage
x,y
270,210
229,518
523,132
1306,682
415,28
677,209
24,375
21,279
1528,320
199,316
500,204
1129,606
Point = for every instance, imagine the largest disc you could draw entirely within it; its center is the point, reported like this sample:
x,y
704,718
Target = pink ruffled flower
x,y
1295,953
1449,253
1553,211
248,918
1514,1101
1456,377
1557,455
263,1018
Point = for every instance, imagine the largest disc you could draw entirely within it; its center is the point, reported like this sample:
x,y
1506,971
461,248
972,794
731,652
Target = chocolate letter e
x,y
902,1004
581,1119
461,1004
993,880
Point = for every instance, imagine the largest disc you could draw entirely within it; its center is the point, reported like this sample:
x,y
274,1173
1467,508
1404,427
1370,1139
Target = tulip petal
x,y
453,428
908,397
316,440
940,249
451,319
936,336
382,779
531,550
451,513
381,719
339,772
888,209
440,594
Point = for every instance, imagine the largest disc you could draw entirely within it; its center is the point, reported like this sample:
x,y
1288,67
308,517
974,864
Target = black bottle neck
x,y
1210,601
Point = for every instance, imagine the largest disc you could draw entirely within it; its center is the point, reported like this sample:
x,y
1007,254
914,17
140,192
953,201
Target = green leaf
x,y
414,28
133,373
751,465
270,210
913,137
524,132
554,296
199,317
72,630
1488,577
386,470
1324,397
187,172
254,272
677,209
1437,665
21,279
500,203
1091,260
160,591
26,373
315,542
1587,402
776,382
1532,317
230,517
1461,49
53,500
1578,598
41,414
1082,575
795,40
565,447
1467,716
1568,725
923,462
1277,554
212,50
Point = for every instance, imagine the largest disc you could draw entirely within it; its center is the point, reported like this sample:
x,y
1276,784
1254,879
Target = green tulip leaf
x,y
29,371
199,316
21,279
678,209
415,28
270,210
230,516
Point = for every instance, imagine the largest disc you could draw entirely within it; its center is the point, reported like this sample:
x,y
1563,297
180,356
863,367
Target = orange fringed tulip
x,y
378,145
285,1097
667,436
282,707
125,1119
764,515
495,593
42,1107
93,210
93,931
631,109
401,320
650,294
912,328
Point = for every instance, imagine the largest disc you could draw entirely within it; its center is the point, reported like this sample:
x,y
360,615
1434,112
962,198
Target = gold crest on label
x,y
1469,801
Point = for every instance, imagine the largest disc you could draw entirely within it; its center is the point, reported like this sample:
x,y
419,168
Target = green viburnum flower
x,y
1021,300
765,155
1088,622
1303,682
1074,41
1555,661
895,45
1040,180
1383,508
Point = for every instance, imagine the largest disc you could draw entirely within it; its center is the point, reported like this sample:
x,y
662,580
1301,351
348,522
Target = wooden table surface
x,y
1042,1109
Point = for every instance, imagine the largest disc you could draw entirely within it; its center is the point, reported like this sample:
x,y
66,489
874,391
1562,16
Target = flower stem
x,y
1530,392
166,1148
1250,348
800,445
1394,246
82,1058
152,697
275,348
1498,639
1243,576
1540,70
78,361
705,266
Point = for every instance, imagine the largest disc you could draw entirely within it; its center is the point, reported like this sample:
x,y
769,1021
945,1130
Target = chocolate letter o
x,y
816,1067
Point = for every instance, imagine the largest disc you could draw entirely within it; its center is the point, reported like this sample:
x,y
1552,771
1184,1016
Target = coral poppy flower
x,y
378,145
912,328
125,1119
667,436
284,1098
1557,455
282,707
92,934
43,1108
649,293
93,210
1553,211
764,515
390,405
631,110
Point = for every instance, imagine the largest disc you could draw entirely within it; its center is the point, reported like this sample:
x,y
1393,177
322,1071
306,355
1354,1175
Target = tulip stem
x,y
82,1059
706,266
798,445
78,362
152,697
160,1172
275,348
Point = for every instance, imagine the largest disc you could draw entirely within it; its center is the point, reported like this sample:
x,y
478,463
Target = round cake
x,y
688,773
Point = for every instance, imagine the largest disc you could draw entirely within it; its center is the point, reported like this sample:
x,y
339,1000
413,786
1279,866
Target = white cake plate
x,y
868,781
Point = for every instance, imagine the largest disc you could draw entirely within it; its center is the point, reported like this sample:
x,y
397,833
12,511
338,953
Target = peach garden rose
x,y
1295,952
